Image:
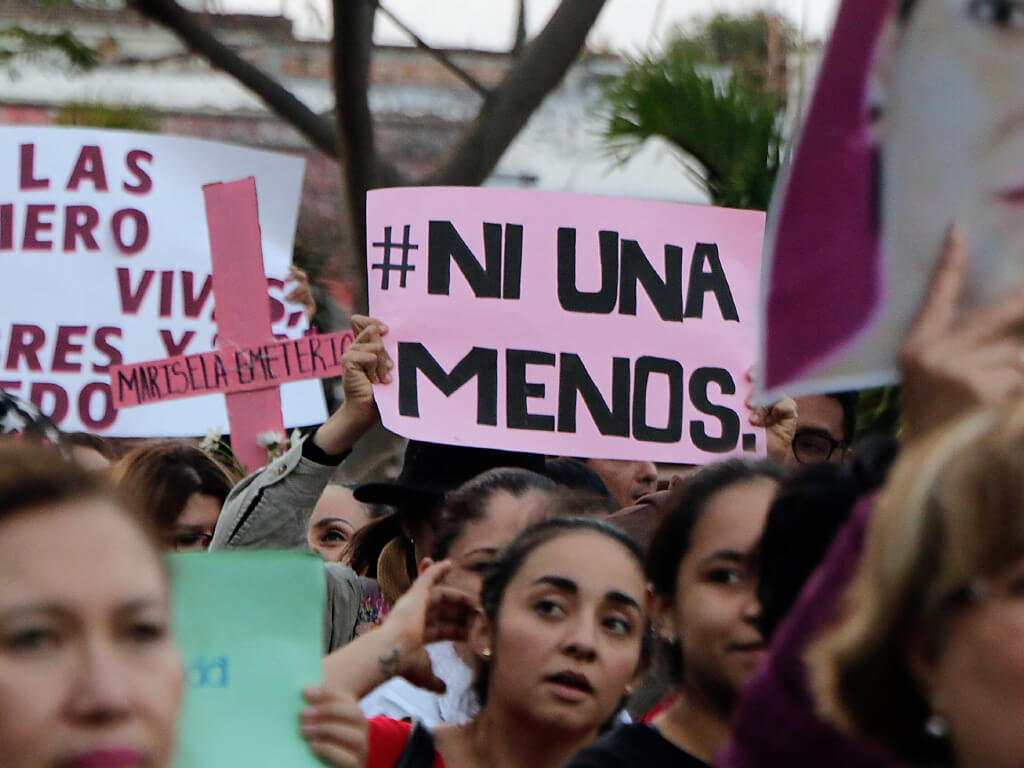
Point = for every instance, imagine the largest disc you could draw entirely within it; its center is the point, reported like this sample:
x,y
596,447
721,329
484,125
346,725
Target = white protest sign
x,y
103,238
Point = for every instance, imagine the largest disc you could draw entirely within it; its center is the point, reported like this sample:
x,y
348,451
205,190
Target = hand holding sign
x,y
950,363
364,364
779,422
302,293
334,727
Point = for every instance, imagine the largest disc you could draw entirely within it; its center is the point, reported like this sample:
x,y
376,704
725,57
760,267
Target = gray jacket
x,y
270,509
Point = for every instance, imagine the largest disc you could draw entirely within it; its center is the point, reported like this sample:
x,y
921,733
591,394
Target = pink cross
x,y
242,310
249,365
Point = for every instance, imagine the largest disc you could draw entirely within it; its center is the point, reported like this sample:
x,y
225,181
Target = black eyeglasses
x,y
814,447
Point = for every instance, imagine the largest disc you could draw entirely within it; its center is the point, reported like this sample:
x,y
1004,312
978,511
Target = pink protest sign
x,y
566,324
243,369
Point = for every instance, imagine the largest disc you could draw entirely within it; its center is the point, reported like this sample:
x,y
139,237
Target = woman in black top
x,y
704,582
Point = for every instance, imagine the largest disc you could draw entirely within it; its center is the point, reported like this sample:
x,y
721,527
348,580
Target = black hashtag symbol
x,y
386,267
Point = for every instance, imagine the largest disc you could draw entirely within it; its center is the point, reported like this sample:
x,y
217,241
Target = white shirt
x,y
401,700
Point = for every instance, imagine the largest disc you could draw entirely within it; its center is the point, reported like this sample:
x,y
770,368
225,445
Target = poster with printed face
x,y
915,124
566,324
249,626
104,238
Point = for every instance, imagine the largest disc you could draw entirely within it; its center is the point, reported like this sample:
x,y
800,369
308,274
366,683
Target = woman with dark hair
x,y
702,571
476,521
559,640
180,487
336,518
391,549
807,513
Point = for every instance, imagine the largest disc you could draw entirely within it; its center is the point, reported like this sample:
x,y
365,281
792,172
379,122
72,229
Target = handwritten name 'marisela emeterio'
x,y
230,370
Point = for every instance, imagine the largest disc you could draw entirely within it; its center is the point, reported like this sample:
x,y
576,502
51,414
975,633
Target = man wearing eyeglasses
x,y
824,429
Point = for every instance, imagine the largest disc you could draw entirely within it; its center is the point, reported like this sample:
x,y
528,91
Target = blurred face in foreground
x,y
89,675
975,680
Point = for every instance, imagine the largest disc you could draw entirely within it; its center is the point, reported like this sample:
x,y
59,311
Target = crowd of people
x,y
494,608
847,603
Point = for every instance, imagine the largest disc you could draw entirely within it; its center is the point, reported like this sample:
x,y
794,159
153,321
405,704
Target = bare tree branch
x,y
318,130
503,114
353,35
443,58
520,40
509,106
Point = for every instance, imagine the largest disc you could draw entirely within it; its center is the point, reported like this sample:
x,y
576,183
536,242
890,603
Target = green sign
x,y
250,629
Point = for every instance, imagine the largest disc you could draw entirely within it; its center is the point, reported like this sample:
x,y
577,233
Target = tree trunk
x,y
353,36
510,105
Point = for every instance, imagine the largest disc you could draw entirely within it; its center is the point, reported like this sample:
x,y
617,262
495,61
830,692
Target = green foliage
x,y
731,129
19,43
113,116
878,413
716,95
749,45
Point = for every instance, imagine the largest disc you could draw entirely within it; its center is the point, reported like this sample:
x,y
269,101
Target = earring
x,y
487,653
936,726
629,689
669,637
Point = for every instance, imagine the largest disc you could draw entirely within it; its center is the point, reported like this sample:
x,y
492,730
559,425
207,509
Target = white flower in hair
x,y
270,439
212,439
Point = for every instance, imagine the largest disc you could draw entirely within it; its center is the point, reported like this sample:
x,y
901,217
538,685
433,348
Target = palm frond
x,y
730,129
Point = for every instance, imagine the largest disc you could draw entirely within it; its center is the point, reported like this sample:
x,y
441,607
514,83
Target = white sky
x,y
624,25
